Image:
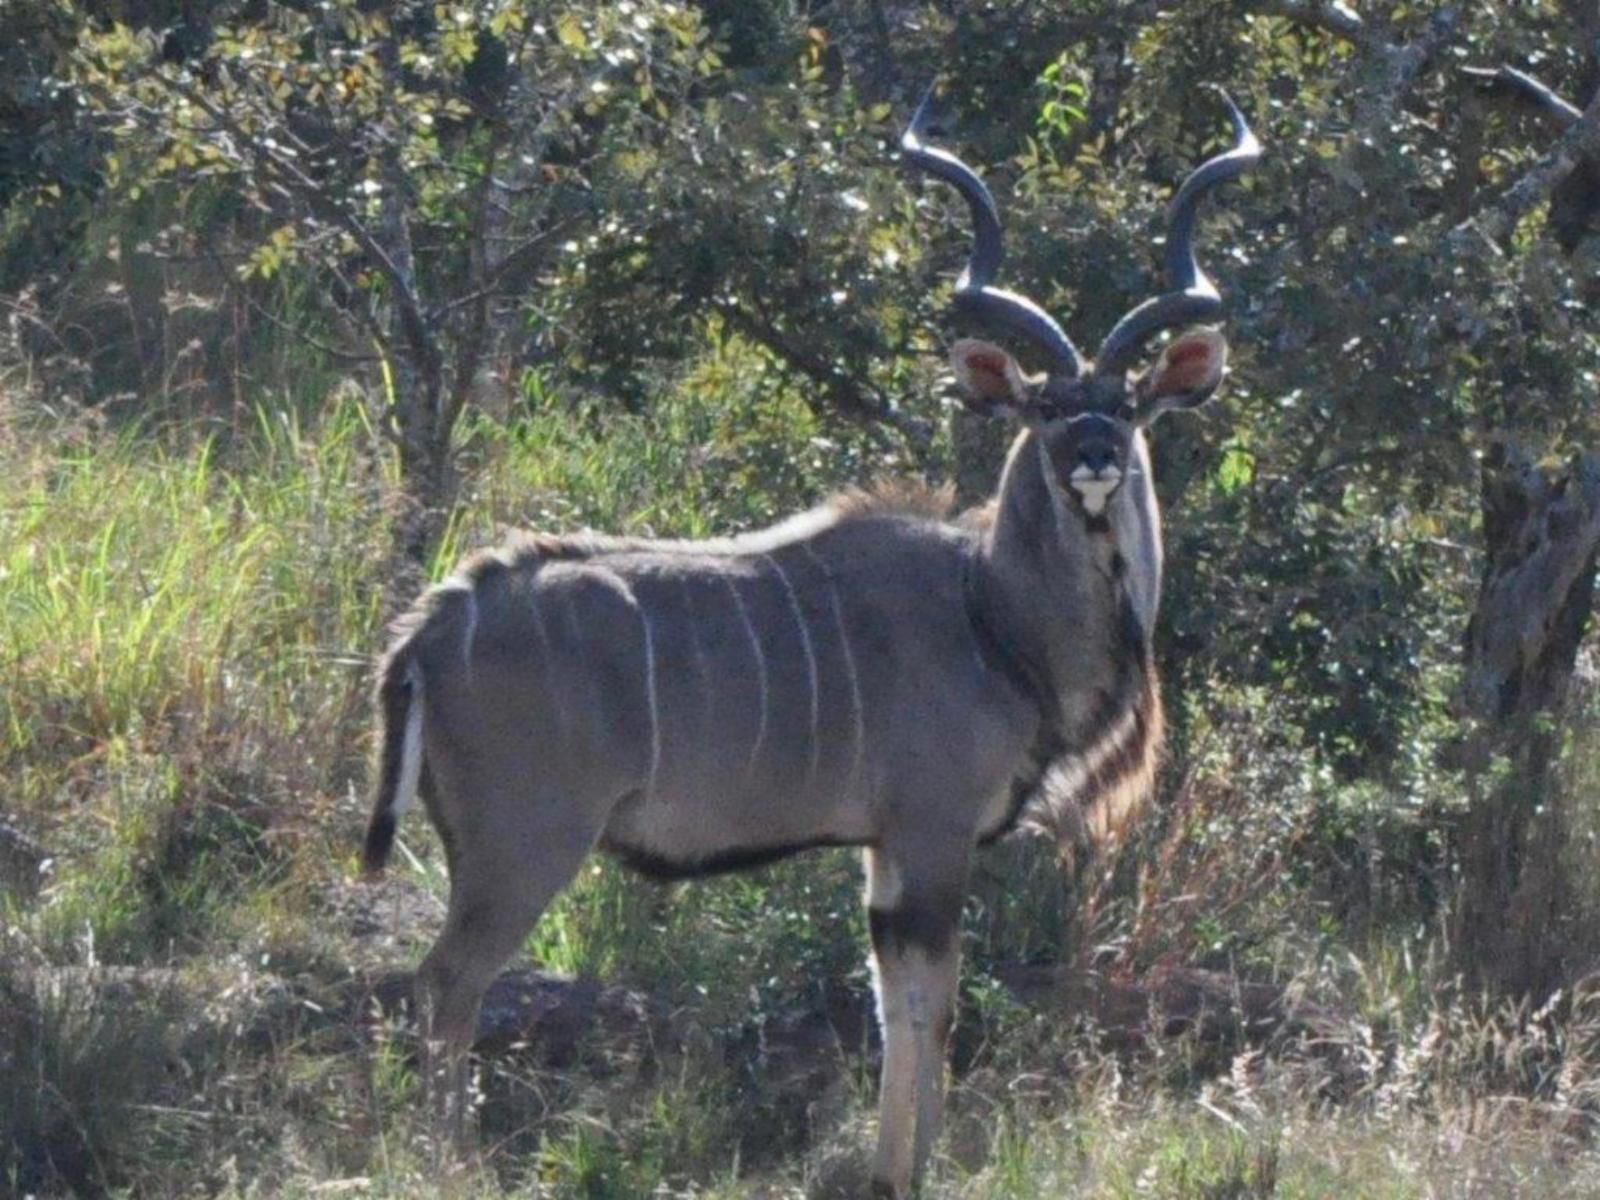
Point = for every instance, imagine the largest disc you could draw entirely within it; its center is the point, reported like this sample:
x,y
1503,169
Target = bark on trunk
x,y
980,451
1541,532
426,481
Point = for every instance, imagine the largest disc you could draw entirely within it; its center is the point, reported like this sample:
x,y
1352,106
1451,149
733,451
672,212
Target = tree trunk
x,y
427,476
1541,531
979,443
417,363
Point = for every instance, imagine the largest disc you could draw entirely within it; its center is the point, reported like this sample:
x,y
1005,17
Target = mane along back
x,y
884,498
894,498
449,604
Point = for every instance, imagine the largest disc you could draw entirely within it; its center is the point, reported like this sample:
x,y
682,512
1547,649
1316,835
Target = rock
x,y
545,1013
794,1069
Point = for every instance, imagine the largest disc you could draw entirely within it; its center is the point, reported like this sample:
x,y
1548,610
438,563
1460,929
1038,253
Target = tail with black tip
x,y
399,764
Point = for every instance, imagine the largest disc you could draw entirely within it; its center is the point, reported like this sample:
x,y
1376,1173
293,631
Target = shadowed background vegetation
x,y
302,302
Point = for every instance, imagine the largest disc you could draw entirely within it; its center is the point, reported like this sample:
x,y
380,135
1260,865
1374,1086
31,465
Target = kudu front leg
x,y
915,925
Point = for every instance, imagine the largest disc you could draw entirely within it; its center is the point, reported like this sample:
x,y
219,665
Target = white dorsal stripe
x,y
811,658
650,696
857,713
761,672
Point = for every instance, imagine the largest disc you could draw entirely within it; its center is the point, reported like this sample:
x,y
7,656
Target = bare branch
x,y
1125,20
1402,64
497,271
475,339
851,397
1386,68
1509,79
293,178
1580,143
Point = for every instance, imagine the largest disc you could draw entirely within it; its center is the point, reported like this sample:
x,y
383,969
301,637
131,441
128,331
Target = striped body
x,y
723,703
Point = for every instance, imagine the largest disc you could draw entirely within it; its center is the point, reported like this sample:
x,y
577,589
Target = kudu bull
x,y
867,674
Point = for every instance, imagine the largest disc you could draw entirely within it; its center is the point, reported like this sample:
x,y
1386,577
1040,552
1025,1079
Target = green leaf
x,y
570,33
1237,468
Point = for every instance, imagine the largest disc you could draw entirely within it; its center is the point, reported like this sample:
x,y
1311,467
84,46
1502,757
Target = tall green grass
x,y
153,597
184,662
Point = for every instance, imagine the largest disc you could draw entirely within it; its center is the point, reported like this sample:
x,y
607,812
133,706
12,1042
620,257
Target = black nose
x,y
1097,455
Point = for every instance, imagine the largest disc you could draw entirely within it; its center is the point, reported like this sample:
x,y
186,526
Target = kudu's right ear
x,y
1189,370
990,378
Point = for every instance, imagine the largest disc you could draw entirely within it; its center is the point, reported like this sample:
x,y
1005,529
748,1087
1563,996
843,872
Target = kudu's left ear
x,y
1185,375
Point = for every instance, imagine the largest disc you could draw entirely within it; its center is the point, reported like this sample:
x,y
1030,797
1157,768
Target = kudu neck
x,y
1064,584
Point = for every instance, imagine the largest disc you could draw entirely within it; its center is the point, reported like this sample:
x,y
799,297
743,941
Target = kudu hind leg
x,y
498,891
915,925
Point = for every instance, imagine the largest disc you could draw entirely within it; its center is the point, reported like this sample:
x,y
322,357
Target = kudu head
x,y
1086,414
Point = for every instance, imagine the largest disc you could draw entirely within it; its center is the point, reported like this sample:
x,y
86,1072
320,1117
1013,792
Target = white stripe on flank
x,y
587,704
574,630
977,653
811,659
761,671
650,680
540,630
856,710
620,585
472,632
405,790
650,695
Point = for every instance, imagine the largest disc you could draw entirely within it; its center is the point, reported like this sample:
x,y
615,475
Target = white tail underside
x,y
411,749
